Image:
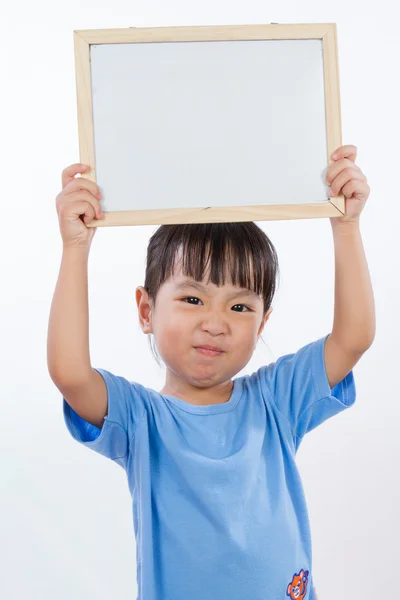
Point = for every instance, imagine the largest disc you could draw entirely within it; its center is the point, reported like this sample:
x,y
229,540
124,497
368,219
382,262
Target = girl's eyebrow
x,y
202,288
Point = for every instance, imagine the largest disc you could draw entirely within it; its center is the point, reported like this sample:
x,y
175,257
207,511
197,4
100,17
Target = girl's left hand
x,y
345,177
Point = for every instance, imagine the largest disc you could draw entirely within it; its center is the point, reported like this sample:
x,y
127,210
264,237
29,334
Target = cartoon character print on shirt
x,y
297,589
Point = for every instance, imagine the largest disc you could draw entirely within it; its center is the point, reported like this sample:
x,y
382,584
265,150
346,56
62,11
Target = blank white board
x,y
209,130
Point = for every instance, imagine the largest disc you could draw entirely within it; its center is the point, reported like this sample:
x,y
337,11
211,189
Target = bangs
x,y
231,253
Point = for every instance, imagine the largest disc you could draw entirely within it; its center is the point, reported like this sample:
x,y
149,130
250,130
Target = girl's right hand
x,y
77,204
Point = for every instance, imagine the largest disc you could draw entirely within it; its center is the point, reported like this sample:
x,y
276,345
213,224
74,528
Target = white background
x,y
65,512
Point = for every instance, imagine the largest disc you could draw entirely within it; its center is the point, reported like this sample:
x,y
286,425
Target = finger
x,y
348,151
81,183
89,214
69,172
87,197
355,189
81,209
344,177
334,169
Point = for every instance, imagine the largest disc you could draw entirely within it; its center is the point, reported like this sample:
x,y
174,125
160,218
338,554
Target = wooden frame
x,y
83,39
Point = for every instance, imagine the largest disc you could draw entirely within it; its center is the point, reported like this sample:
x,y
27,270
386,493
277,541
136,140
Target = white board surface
x,y
213,123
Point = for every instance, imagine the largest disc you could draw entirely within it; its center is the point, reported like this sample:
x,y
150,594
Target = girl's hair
x,y
238,252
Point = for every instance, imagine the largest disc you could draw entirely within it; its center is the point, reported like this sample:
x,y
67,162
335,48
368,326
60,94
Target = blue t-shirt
x,y
218,504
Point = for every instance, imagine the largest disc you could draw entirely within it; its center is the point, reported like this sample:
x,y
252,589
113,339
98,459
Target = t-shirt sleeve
x,y
125,410
298,385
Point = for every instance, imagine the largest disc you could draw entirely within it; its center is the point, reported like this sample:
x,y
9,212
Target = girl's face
x,y
189,314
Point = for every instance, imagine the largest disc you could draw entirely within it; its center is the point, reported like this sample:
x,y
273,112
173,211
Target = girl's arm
x,y
68,355
354,318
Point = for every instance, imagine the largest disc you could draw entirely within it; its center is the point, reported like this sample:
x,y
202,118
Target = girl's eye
x,y
190,298
246,307
194,298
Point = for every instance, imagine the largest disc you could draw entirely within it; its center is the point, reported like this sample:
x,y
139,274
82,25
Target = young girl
x,y
218,504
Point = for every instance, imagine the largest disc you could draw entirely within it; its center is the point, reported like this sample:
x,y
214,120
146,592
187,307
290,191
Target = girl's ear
x,y
264,321
144,305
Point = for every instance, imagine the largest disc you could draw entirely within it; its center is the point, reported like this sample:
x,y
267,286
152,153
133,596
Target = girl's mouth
x,y
207,352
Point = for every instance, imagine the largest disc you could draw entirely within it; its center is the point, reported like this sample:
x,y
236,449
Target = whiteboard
x,y
210,130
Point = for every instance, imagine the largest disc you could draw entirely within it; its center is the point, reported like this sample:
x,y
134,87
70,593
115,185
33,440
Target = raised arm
x,y
68,356
354,315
